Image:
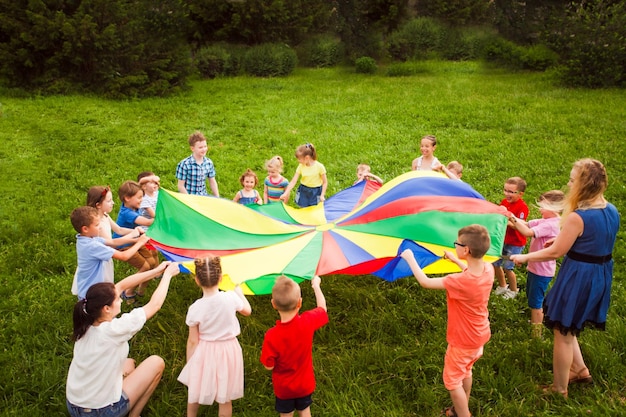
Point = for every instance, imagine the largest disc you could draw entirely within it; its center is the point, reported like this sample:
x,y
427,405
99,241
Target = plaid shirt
x,y
195,174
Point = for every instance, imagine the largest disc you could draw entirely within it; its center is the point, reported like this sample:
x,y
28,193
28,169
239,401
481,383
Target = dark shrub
x,y
211,61
270,60
322,51
365,65
538,58
418,38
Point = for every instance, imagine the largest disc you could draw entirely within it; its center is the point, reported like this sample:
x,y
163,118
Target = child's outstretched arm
x,y
132,281
521,226
124,255
324,187
450,256
158,296
247,308
292,183
265,194
424,281
319,295
374,178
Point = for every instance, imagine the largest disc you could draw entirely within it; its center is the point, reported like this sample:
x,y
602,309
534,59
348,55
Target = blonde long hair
x,y
590,183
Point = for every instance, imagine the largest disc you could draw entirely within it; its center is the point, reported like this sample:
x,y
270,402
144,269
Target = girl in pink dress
x,y
214,369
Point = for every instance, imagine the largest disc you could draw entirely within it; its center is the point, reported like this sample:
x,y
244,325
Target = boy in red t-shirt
x,y
288,347
514,241
467,296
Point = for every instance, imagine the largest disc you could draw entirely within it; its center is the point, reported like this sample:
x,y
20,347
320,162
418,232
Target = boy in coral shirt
x,y
468,318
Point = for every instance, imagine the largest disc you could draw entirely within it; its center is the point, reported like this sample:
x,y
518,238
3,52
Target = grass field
x,y
382,352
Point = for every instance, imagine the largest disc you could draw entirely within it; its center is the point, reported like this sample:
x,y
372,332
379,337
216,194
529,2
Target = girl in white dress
x,y
214,369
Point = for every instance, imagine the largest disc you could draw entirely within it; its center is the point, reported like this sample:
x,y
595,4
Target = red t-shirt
x,y
519,210
288,347
468,316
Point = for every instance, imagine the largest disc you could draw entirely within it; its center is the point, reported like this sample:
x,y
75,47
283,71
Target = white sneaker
x,y
501,290
509,294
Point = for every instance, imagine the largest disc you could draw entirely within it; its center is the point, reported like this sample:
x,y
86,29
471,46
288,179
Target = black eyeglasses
x,y
459,244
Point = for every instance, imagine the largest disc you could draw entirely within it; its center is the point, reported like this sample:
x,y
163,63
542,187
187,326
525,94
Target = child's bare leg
x,y
500,276
226,409
141,383
192,409
460,400
510,276
286,414
305,413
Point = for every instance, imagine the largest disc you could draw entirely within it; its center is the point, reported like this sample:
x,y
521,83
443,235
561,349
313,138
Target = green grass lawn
x,y
382,352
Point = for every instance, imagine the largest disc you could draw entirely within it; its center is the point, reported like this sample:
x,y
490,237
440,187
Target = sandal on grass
x,y
581,378
449,412
550,389
130,299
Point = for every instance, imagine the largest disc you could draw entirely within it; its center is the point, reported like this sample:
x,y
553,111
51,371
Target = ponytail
x,y
89,309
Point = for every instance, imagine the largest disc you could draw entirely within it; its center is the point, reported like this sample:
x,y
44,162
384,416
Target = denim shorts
x,y
307,196
118,409
287,406
536,287
508,250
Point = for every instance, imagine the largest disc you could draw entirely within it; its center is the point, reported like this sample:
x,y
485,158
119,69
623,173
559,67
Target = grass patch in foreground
x,y
382,352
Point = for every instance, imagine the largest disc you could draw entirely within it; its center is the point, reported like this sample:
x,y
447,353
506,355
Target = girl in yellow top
x,y
312,189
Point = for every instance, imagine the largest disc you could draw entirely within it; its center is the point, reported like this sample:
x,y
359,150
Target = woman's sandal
x,y
581,379
550,389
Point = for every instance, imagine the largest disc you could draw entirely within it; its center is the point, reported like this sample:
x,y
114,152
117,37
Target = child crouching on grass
x,y
467,295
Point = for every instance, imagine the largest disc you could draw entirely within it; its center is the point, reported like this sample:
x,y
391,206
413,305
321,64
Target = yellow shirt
x,y
312,174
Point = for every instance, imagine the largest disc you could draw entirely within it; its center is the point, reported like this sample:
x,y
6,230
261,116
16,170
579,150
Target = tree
x,y
116,48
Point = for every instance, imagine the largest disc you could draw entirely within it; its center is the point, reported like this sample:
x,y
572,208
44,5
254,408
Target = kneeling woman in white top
x,y
102,380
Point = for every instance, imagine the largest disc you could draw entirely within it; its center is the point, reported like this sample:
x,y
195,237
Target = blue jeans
x,y
118,409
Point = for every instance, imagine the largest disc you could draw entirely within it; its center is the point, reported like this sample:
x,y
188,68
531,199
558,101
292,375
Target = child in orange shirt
x,y
468,318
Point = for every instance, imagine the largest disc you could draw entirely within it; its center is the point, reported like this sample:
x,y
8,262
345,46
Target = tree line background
x,y
134,48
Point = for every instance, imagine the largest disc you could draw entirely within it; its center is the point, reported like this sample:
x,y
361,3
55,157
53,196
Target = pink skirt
x,y
214,373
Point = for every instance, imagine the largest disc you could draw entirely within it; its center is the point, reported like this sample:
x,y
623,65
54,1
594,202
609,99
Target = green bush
x,y
365,65
116,48
454,45
322,51
538,58
419,38
211,61
270,60
590,42
502,52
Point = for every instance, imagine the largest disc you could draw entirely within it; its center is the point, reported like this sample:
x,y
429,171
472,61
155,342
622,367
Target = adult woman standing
x,y
581,293
102,380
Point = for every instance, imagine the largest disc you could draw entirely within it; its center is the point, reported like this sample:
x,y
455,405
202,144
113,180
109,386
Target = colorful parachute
x,y
357,231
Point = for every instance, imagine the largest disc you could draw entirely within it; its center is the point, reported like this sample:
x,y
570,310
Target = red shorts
x,y
458,365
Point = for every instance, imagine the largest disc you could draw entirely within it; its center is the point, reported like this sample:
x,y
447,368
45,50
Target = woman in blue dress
x,y
581,292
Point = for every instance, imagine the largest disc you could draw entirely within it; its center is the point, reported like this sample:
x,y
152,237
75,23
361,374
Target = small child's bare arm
x,y
319,295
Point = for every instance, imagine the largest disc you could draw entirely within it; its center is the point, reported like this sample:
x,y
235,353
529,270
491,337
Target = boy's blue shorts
x,y
508,250
536,287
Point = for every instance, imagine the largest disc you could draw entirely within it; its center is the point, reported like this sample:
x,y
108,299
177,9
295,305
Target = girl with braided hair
x,y
214,369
